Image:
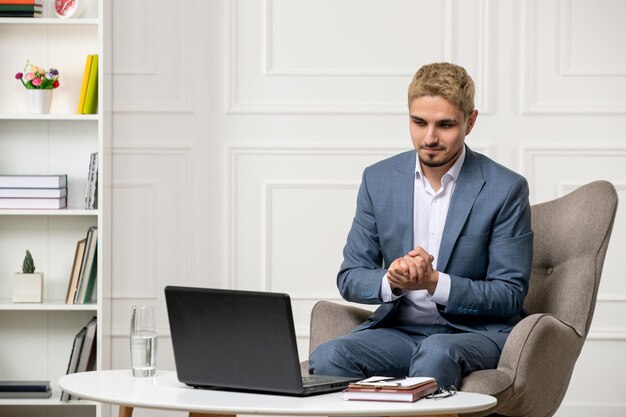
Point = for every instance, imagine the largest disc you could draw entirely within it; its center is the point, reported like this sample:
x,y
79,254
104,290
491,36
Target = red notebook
x,y
390,389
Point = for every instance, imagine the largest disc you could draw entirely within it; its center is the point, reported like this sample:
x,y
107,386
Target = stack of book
x,y
33,191
21,8
83,355
88,99
25,389
390,389
82,283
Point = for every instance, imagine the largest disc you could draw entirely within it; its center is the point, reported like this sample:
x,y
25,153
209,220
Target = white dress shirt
x,y
430,209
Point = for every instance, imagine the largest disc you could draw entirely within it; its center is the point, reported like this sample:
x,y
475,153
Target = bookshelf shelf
x,y
49,117
38,338
48,21
62,212
54,400
54,305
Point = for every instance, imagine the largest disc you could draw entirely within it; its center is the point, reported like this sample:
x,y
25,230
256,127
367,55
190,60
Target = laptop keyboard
x,y
308,381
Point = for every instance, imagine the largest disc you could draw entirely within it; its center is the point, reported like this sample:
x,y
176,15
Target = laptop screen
x,y
241,340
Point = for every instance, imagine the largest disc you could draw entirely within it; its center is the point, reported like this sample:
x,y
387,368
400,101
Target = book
x,y
74,355
20,14
24,386
33,181
390,389
4,7
33,192
87,358
91,96
33,203
83,87
387,393
87,265
76,268
26,394
87,295
37,2
91,194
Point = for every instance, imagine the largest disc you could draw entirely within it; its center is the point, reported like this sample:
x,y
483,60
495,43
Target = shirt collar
x,y
453,172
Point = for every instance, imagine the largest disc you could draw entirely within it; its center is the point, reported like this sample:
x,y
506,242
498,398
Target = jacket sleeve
x,y
360,274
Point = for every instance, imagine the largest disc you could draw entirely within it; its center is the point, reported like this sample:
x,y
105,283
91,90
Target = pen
x,y
392,382
385,383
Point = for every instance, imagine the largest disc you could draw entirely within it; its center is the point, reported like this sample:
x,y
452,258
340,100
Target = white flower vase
x,y
40,100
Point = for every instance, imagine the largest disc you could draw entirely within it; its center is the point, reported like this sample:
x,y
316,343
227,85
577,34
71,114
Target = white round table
x,y
165,392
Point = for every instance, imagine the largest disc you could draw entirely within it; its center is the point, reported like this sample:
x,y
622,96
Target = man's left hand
x,y
414,271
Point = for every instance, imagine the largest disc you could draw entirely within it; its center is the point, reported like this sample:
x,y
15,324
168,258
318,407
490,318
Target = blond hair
x,y
447,80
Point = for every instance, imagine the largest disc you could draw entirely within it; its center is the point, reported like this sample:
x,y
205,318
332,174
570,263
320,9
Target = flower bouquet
x,y
38,78
39,83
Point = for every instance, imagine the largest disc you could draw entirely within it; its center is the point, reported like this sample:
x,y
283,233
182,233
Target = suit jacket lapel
x,y
467,188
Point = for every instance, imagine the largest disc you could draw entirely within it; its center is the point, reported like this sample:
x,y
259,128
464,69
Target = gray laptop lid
x,y
241,340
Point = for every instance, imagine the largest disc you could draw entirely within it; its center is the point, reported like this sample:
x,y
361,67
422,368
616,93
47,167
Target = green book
x,y
88,296
91,97
20,7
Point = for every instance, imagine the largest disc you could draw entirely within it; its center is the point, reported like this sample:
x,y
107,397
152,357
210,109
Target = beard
x,y
431,161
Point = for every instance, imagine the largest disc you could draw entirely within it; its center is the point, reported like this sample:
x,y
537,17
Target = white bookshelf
x,y
37,338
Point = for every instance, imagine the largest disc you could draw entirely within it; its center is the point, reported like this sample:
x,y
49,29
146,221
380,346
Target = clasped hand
x,y
413,271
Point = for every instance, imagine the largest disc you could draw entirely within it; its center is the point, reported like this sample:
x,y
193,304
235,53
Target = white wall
x,y
241,128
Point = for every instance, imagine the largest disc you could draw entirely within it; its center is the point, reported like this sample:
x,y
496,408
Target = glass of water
x,y
143,341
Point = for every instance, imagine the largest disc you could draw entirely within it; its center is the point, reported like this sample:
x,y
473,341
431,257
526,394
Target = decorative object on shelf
x,y
68,8
40,101
39,84
28,285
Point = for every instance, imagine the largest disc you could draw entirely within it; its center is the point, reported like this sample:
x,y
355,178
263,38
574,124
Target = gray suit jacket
x,y
486,246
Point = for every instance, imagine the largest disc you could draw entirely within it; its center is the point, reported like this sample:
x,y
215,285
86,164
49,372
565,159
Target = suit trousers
x,y
437,351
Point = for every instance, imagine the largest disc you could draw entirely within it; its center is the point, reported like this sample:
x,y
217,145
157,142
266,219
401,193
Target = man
x,y
442,239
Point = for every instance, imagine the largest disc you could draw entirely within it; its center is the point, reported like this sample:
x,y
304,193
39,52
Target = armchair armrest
x,y
331,320
534,370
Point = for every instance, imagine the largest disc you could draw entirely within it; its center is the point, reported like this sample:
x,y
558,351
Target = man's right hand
x,y
413,271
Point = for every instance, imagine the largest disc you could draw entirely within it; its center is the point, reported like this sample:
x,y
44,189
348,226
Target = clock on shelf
x,y
68,8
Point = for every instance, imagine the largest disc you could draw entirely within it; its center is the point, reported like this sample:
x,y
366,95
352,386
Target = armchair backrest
x,y
570,243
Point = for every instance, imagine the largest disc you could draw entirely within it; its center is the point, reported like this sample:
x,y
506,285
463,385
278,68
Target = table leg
x,y
125,411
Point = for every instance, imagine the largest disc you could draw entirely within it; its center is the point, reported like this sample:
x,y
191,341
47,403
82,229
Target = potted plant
x,y
28,284
39,83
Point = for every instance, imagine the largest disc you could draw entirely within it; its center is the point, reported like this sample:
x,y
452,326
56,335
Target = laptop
x,y
239,340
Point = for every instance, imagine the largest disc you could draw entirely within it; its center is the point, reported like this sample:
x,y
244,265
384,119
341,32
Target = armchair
x,y
570,243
